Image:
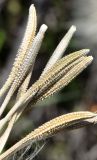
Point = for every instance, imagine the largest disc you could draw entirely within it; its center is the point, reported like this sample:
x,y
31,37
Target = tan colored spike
x,y
54,71
28,96
60,49
52,74
49,129
64,62
22,90
26,42
66,59
77,69
55,77
43,90
26,64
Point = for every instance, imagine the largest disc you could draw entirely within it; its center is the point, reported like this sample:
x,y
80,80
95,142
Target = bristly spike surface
x,y
49,129
65,59
58,53
57,74
26,65
26,42
48,80
73,72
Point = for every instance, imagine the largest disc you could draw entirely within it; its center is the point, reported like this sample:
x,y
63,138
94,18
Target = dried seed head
x,y
26,65
49,129
58,53
57,74
66,59
72,73
26,42
52,76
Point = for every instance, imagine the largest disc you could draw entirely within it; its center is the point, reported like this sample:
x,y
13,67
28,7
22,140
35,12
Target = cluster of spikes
x,y
57,74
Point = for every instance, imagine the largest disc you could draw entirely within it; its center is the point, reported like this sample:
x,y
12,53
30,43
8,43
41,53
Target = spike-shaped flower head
x,y
56,75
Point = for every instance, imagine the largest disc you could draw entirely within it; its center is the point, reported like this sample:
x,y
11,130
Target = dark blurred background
x,y
80,94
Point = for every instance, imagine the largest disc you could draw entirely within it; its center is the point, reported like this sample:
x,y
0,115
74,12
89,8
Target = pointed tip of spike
x,y
31,7
90,58
73,28
86,51
70,33
43,28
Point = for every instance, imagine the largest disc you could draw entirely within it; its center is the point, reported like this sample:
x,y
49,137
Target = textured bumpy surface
x,y
80,65
52,73
26,65
60,49
50,128
20,68
57,74
26,42
57,71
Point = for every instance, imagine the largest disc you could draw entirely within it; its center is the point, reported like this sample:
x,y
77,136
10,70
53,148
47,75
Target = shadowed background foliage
x,y
80,94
